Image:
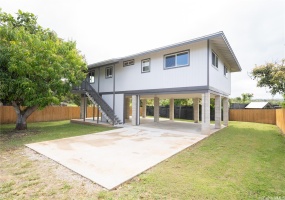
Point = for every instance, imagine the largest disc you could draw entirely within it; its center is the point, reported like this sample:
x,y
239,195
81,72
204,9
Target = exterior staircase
x,y
96,99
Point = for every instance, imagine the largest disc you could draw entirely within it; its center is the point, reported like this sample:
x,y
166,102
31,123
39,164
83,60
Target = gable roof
x,y
257,105
218,39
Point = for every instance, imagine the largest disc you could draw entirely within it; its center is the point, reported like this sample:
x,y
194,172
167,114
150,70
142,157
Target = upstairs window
x,y
225,70
214,60
91,77
179,59
146,65
128,63
109,72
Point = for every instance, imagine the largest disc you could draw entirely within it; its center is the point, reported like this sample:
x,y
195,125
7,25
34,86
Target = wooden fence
x,y
266,116
56,113
280,119
51,113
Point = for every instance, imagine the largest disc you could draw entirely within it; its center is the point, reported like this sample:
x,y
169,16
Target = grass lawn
x,y
242,161
43,131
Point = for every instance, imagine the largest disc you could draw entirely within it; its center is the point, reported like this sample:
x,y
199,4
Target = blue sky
x,y
106,29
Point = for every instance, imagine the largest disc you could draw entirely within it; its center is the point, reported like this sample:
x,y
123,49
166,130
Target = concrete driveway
x,y
110,158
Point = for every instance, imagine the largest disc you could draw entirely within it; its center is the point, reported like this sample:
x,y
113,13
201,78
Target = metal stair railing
x,y
104,108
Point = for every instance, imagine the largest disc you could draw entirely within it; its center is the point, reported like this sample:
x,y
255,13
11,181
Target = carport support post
x,y
206,113
127,108
83,106
226,111
218,111
135,110
156,109
196,110
144,108
171,109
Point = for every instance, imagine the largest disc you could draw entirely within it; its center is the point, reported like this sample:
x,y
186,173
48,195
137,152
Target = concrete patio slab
x,y
110,158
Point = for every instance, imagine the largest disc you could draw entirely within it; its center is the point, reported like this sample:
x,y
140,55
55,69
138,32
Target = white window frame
x,y
175,54
226,71
89,75
128,63
142,66
216,60
106,72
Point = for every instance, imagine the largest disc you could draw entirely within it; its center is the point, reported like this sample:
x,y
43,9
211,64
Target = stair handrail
x,y
90,89
108,110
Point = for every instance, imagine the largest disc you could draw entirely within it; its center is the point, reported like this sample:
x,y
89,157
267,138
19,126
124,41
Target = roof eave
x,y
237,67
104,63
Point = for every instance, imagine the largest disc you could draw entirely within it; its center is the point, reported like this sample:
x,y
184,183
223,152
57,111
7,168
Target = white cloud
x,y
107,29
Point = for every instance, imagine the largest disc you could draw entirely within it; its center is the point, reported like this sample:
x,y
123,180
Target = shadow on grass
x,y
43,131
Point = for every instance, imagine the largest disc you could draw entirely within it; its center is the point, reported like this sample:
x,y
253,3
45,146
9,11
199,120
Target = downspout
x,y
208,66
114,93
208,75
98,93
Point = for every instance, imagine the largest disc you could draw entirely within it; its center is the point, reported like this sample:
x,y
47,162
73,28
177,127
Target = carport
x,y
204,98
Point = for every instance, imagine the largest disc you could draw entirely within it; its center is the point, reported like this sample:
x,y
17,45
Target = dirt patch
x,y
13,134
25,174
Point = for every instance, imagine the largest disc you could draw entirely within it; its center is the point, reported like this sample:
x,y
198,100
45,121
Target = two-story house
x,y
199,69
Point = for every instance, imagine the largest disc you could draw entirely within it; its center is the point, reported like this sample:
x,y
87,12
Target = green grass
x,y
43,131
242,161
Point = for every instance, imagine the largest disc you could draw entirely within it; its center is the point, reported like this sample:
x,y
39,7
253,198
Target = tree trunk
x,y
21,123
22,115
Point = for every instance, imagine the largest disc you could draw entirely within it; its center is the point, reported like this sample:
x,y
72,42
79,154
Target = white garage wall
x,y
119,106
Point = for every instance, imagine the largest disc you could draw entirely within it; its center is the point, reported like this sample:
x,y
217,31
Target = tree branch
x,y
16,107
29,110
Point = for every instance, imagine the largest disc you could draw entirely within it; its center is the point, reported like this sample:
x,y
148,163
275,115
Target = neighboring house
x,y
259,105
199,69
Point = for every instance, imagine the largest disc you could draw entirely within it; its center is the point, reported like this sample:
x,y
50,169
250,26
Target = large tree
x,y
272,76
37,68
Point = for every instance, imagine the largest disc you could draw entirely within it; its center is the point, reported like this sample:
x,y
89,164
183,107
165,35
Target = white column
x,y
226,111
156,109
127,108
196,110
206,113
144,108
134,110
218,111
171,109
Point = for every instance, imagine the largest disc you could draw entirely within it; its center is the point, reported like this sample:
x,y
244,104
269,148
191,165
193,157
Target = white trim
x,y
227,71
142,67
89,73
108,68
216,60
